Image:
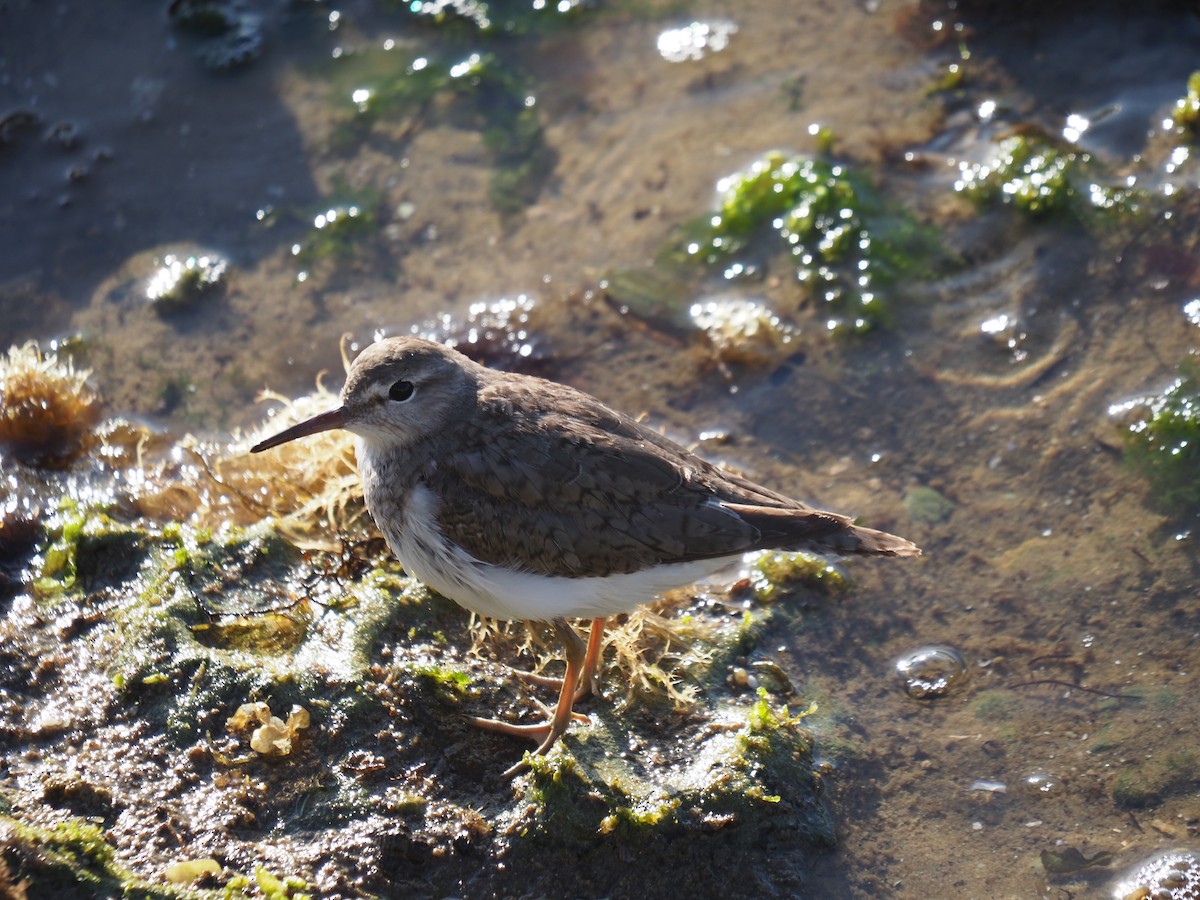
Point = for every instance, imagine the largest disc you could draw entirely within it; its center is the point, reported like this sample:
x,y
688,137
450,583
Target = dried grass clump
x,y
743,332
646,649
649,650
47,410
311,485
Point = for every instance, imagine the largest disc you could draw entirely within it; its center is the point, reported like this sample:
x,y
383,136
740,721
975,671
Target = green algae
x,y
752,783
339,229
776,573
1163,442
846,243
275,888
993,706
1069,860
659,295
79,537
393,89
181,281
456,680
1044,180
198,621
222,618
764,719
1029,173
1186,114
266,884
71,858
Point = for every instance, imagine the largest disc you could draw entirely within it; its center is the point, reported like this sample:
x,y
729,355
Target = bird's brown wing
x,y
579,490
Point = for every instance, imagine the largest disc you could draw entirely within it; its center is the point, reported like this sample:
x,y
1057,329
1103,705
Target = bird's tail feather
x,y
869,542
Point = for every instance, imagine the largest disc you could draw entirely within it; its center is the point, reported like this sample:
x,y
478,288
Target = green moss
x,y
1163,443
847,245
1186,113
456,680
74,858
775,573
756,781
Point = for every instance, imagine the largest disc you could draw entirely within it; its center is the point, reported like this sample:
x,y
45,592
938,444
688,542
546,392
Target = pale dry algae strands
x,y
47,408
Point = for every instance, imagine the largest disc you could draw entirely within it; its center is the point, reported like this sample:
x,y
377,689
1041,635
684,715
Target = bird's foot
x,y
589,685
538,732
580,669
545,733
589,681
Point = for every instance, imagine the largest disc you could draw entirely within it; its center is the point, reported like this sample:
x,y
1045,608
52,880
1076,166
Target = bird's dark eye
x,y
401,391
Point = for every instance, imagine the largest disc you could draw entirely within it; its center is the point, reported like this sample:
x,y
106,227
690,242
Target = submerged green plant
x,y
394,86
337,231
1027,172
846,244
1186,113
1042,179
1163,442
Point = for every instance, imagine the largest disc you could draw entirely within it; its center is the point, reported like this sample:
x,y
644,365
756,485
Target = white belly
x,y
507,594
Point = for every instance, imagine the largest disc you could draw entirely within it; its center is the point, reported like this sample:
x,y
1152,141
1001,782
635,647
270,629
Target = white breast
x,y
508,594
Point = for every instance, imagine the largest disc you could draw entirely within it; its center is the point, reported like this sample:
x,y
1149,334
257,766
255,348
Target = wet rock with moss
x,y
222,640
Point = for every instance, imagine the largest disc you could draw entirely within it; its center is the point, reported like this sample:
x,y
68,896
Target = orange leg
x,y
589,683
551,730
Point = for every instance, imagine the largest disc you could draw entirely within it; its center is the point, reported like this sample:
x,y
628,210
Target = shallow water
x,y
1069,595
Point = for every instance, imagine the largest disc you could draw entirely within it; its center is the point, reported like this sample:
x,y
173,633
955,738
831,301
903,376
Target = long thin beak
x,y
335,418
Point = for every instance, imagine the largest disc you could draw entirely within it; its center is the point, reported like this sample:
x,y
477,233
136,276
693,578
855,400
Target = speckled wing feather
x,y
569,487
